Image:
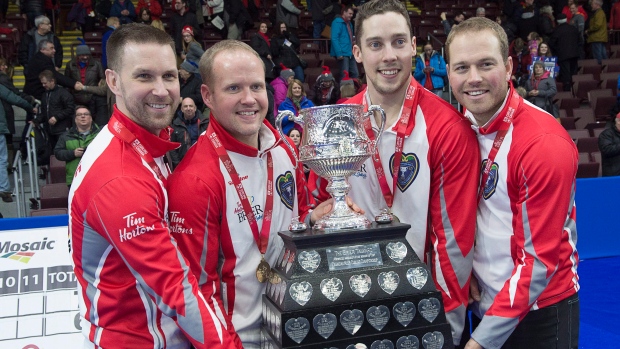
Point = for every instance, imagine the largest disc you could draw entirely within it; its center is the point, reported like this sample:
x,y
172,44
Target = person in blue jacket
x,y
430,70
342,42
295,101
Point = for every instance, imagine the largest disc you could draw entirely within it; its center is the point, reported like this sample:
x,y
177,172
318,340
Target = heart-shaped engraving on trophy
x,y
357,346
433,340
331,288
360,284
429,308
408,342
397,251
309,260
352,320
297,329
388,281
384,344
378,317
417,277
404,312
301,292
325,324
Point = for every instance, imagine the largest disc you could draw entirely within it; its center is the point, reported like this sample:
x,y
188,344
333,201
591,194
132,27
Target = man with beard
x,y
119,236
424,171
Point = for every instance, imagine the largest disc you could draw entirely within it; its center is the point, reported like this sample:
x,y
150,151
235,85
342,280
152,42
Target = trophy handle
x,y
279,118
379,133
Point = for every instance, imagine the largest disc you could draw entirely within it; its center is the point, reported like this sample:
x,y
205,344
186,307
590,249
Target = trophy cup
x,y
334,144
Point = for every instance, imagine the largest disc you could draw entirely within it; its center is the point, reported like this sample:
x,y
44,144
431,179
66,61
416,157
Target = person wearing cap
x,y
565,43
609,145
190,82
347,88
326,89
192,49
280,85
89,71
430,70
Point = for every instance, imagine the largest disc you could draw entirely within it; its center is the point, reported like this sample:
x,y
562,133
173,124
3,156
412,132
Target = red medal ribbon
x,y
262,238
119,130
401,126
499,139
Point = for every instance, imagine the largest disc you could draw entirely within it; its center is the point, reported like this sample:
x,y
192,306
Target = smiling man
x,y
245,188
135,287
424,171
525,282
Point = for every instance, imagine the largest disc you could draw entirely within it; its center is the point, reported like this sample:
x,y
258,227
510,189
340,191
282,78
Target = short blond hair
x,y
206,61
477,25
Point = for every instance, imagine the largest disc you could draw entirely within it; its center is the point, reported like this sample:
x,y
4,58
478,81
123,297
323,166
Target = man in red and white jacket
x,y
525,259
234,190
135,287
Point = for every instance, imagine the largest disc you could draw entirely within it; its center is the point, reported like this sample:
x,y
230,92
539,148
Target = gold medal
x,y
263,271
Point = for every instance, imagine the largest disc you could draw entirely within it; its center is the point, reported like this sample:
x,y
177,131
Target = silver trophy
x,y
334,144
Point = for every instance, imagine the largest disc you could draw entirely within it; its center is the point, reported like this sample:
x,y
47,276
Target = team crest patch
x,y
285,184
491,184
408,171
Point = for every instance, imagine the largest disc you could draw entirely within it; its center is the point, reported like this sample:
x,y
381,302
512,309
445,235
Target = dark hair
x,y
80,106
377,7
134,33
48,75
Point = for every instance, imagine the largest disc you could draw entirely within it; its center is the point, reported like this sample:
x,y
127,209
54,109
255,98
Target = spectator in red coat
x,y
614,16
566,10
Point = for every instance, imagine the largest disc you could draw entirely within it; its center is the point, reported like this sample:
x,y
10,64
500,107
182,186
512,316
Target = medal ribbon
x,y
119,130
499,139
403,121
262,237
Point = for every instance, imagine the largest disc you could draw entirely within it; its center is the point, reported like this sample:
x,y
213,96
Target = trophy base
x,y
330,223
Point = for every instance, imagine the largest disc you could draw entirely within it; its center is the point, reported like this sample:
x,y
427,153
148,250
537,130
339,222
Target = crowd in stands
x,y
547,40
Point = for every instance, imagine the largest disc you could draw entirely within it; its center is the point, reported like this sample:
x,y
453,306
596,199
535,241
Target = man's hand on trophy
x,y
326,206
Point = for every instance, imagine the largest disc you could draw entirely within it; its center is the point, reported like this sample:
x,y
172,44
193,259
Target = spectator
x,y
320,9
541,87
533,40
153,6
509,27
480,12
288,13
89,71
261,43
524,260
213,12
12,99
72,144
245,143
124,11
41,61
597,32
430,70
29,45
6,81
547,22
295,101
57,108
565,42
609,145
326,90
280,85
347,88
578,21
157,23
238,19
190,83
32,9
83,15
148,272
113,23
295,135
284,47
527,17
570,13
192,49
188,124
342,42
447,24
544,50
182,18
144,16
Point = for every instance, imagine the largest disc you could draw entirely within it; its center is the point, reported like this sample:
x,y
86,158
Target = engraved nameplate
x,y
350,257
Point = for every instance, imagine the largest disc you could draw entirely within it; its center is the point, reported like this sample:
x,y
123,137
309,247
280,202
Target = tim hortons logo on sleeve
x,y
177,224
134,227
